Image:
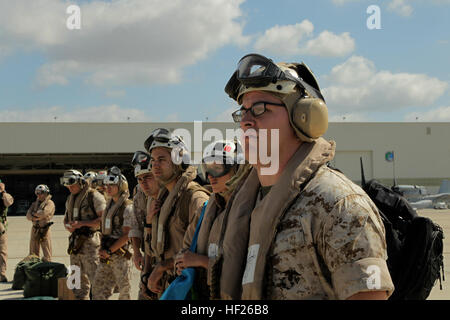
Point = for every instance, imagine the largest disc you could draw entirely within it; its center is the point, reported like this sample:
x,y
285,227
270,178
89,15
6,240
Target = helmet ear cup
x,y
179,154
310,118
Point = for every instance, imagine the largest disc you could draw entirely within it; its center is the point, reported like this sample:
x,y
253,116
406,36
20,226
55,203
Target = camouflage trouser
x,y
88,262
116,272
3,253
45,244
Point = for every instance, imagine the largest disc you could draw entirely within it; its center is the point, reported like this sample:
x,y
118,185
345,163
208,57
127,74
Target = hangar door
x,y
348,162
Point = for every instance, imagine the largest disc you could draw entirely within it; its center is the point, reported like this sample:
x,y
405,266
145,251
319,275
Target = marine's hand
x,y
154,280
138,261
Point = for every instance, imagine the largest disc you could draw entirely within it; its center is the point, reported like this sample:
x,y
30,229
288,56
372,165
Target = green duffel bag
x,y
42,279
19,273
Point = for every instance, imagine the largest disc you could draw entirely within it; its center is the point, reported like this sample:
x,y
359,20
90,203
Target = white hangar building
x,y
33,153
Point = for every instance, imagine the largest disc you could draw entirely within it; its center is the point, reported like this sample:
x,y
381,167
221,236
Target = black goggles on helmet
x,y
68,181
160,135
216,168
140,158
256,71
113,176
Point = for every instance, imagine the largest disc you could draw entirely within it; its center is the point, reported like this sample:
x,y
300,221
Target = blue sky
x,y
157,60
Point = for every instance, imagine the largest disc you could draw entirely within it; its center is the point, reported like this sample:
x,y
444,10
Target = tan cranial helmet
x,y
293,83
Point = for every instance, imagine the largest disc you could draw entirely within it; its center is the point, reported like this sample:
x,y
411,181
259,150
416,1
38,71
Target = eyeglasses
x,y
256,110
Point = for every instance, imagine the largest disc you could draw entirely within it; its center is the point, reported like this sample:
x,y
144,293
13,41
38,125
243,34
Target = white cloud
x,y
290,40
329,44
400,7
133,41
111,113
285,38
356,85
436,115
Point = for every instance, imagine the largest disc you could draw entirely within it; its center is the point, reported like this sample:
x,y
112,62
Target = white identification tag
x,y
107,223
75,212
252,256
213,250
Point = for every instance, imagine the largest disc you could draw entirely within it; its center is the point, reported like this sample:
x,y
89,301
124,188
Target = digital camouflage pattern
x,y
87,260
139,213
116,272
348,237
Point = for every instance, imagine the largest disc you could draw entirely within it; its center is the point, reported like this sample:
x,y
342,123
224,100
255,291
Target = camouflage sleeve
x,y
99,202
353,247
135,232
48,212
128,216
30,211
8,200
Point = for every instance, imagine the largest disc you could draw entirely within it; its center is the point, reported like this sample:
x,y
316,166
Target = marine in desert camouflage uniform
x,y
114,268
6,200
84,208
140,233
311,232
41,213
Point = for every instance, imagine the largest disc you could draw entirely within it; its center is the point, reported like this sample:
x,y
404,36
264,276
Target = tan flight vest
x,y
114,214
241,247
80,207
169,226
35,206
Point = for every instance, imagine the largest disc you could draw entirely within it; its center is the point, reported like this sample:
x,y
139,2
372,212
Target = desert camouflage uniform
x,y
118,269
137,225
348,235
6,201
36,240
87,259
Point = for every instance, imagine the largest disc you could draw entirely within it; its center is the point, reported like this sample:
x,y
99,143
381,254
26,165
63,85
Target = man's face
x,y
162,166
74,188
112,190
148,183
41,196
275,117
219,184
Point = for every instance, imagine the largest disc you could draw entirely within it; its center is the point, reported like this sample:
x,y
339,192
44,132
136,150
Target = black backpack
x,y
414,243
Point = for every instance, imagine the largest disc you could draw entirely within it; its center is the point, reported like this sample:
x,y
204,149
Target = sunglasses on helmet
x,y
68,181
140,157
160,135
216,168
